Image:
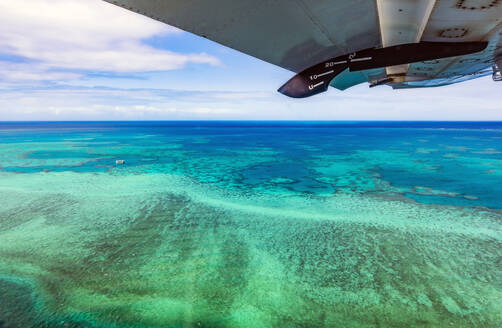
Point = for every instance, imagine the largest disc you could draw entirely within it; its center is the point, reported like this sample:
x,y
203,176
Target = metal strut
x,y
497,75
317,78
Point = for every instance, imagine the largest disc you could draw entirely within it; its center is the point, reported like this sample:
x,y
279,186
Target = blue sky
x,y
90,60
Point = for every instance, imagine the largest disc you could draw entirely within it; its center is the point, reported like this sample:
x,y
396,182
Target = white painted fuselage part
x,y
402,21
463,21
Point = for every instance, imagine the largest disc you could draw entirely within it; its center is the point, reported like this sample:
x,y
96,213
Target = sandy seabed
x,y
161,250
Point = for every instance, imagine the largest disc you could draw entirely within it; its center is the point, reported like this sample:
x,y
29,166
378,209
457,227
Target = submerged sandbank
x,y
160,250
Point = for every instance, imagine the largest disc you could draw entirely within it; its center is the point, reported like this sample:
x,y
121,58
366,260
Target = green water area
x,y
250,236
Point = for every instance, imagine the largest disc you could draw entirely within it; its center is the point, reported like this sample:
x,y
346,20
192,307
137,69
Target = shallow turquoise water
x,y
232,224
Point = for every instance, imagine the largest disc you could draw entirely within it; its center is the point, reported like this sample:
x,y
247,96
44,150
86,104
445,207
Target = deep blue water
x,y
458,163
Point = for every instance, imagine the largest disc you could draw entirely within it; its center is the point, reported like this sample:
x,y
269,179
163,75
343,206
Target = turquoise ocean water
x,y
251,224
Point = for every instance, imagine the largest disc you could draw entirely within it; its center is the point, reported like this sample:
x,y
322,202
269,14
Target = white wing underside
x,y
297,34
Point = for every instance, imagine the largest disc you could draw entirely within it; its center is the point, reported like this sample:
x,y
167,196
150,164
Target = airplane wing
x,y
456,39
464,20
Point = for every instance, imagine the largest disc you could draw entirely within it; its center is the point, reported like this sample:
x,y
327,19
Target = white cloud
x,y
21,72
85,35
61,103
472,100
